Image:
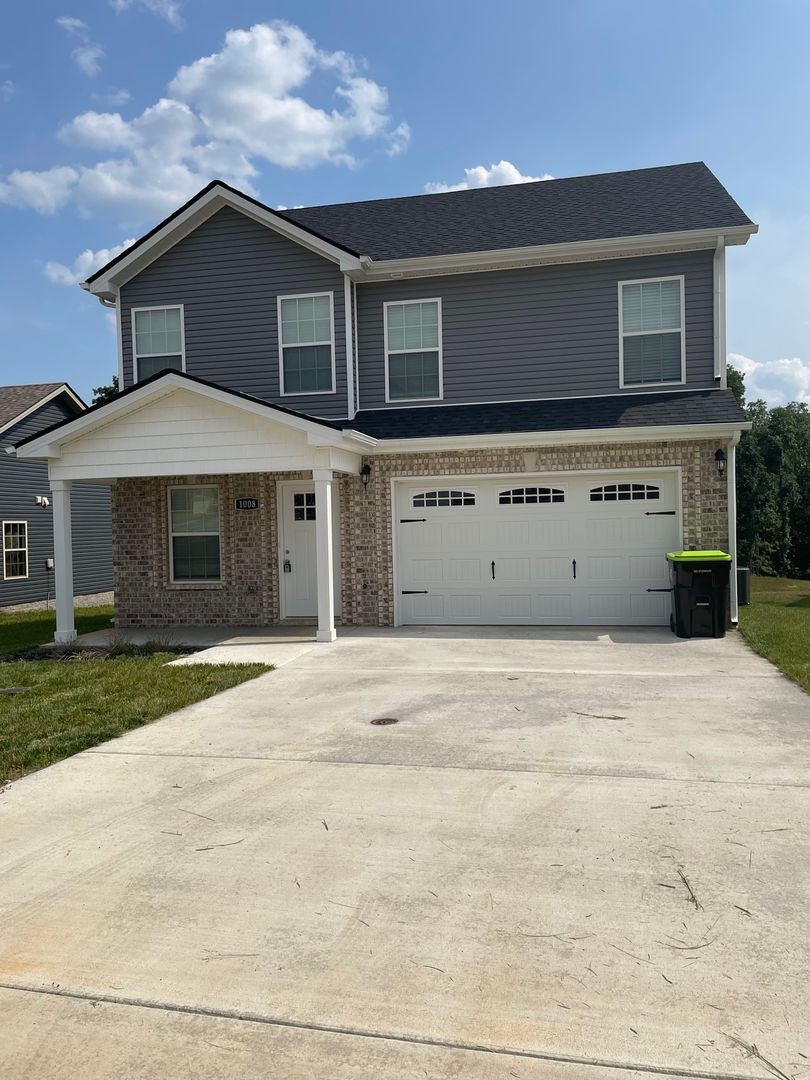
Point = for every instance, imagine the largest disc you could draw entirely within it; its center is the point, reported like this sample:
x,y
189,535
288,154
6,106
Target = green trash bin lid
x,y
698,556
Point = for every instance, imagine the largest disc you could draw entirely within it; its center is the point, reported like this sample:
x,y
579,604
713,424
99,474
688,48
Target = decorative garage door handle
x,y
414,592
493,569
574,565
409,521
660,513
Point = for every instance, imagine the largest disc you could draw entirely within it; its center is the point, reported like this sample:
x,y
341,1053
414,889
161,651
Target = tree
x,y
773,486
105,393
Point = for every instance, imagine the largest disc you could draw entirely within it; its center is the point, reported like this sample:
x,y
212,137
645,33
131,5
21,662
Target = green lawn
x,y
24,630
71,704
777,625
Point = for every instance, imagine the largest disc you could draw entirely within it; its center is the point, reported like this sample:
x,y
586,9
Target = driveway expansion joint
x,y
367,1033
511,769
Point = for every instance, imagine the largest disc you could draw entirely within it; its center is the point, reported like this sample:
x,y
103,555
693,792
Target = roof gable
x,y
17,402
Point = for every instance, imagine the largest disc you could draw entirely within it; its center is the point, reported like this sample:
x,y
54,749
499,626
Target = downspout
x,y
356,350
348,333
731,480
719,311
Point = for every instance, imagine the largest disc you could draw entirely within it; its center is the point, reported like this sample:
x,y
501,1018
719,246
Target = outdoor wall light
x,y
365,474
720,459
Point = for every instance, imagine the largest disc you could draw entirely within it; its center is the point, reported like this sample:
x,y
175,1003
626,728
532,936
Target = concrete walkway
x,y
576,854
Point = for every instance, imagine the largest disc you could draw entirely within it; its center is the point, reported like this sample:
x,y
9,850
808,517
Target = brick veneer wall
x,y
249,590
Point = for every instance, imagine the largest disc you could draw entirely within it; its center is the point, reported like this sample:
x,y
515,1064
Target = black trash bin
x,y
700,593
743,586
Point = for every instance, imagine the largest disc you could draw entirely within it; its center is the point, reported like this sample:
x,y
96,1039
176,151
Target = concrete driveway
x,y
577,854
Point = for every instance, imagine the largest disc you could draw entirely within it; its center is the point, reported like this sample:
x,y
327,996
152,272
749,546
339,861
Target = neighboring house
x,y
26,517
502,405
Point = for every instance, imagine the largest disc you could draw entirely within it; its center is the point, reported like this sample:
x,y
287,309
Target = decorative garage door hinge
x,y
409,521
660,513
414,592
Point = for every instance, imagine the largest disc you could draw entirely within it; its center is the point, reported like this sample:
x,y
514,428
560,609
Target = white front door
x,y
298,563
577,549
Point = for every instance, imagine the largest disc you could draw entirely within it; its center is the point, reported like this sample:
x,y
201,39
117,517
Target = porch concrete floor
x,y
264,884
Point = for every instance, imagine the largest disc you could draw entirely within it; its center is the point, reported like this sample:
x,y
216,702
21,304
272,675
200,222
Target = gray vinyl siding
x,y
21,480
228,274
538,332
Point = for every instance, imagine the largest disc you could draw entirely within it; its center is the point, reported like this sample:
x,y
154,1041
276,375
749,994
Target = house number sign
x,y
246,504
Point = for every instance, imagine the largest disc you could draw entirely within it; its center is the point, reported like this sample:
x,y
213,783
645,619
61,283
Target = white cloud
x,y
170,10
88,58
7,91
224,114
775,381
83,265
398,139
88,54
481,176
246,95
46,192
114,98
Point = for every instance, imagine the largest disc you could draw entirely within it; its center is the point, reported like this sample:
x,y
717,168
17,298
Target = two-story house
x,y
501,405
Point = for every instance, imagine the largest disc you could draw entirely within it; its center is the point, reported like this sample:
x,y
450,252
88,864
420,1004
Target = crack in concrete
x,y
367,1033
516,769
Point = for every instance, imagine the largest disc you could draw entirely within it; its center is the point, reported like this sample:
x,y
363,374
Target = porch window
x,y
194,528
158,340
413,350
307,344
651,331
15,550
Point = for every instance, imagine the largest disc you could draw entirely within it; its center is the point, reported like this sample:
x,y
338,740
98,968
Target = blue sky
x,y
113,112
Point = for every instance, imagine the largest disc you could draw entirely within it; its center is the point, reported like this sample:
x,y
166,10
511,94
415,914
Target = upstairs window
x,y
651,332
413,350
307,344
194,533
157,334
15,550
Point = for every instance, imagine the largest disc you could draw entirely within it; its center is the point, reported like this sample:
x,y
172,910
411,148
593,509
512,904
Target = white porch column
x,y
63,561
324,546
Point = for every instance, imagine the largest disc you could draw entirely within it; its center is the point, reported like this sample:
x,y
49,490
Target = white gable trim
x,y
194,215
49,445
63,389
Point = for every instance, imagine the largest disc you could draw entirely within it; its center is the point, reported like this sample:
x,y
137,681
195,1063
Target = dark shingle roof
x,y
638,202
568,414
15,400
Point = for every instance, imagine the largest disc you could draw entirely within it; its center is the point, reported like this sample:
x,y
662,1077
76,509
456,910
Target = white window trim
x,y
213,582
281,346
398,303
152,356
27,574
642,333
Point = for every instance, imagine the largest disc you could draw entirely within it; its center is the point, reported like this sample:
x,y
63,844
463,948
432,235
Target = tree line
x,y
773,486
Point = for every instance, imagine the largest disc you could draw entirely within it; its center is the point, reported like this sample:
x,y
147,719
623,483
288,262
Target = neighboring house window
x,y
651,331
307,344
522,495
15,550
443,498
413,350
624,492
194,533
159,340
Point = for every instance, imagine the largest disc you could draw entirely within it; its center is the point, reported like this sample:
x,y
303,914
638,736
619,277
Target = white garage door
x,y
580,549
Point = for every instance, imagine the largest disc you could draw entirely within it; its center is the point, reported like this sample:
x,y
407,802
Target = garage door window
x,y
522,495
444,497
624,492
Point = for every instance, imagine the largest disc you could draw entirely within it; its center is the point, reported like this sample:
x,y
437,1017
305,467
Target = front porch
x,y
226,510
